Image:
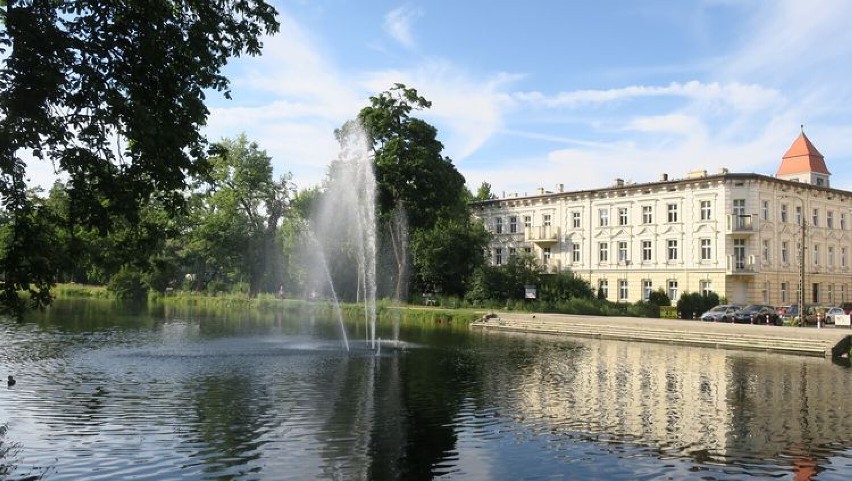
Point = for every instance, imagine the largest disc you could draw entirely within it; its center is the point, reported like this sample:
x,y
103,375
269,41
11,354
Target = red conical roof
x,y
802,157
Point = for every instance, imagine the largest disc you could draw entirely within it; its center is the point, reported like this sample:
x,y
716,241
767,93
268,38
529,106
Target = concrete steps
x,y
714,335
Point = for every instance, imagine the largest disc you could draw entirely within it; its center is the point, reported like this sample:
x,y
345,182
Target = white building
x,y
739,235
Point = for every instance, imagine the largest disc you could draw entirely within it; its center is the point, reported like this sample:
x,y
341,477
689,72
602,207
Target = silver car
x,y
725,312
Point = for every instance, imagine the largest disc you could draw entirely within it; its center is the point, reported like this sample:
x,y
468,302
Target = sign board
x,y
843,320
529,291
668,312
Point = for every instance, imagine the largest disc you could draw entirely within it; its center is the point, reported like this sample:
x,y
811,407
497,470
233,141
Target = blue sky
x,y
535,93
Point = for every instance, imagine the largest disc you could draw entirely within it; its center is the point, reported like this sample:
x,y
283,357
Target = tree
x,y
416,184
238,214
484,193
112,93
446,256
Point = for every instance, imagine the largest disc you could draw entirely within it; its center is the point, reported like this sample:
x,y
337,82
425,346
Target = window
x,y
512,252
799,214
739,207
764,210
842,221
622,216
830,255
672,283
527,250
646,251
764,292
603,217
783,212
785,252
647,217
815,218
843,257
829,292
603,252
513,224
706,212
766,251
816,254
784,289
498,256
603,288
829,219
575,252
622,289
575,216
647,287
498,225
622,252
706,251
672,250
545,256
672,212
739,254
546,220
704,287
527,221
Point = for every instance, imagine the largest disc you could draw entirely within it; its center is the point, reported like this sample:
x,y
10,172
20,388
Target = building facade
x,y
750,238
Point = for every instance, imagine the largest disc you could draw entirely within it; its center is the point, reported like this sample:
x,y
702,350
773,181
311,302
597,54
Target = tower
x,y
804,163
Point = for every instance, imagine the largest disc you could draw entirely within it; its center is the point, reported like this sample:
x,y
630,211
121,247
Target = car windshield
x,y
719,309
751,308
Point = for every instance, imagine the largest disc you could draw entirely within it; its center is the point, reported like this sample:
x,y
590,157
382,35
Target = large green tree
x,y
112,94
415,180
237,218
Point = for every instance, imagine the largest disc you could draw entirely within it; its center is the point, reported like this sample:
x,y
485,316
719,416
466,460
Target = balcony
x,y
542,235
554,266
741,224
742,266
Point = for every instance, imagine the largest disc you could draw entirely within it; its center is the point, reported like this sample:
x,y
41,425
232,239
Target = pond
x,y
161,393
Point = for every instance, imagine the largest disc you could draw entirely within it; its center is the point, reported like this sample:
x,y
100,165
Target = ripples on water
x,y
184,399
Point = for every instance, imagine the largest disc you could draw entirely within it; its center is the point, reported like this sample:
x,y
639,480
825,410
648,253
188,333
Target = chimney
x,y
664,177
560,187
619,182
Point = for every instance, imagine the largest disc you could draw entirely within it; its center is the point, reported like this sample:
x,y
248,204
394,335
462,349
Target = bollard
x,y
819,320
752,318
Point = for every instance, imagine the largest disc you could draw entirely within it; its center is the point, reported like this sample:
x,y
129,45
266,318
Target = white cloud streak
x,y
397,24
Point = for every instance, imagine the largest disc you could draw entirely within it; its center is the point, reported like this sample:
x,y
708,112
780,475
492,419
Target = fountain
x,y
343,226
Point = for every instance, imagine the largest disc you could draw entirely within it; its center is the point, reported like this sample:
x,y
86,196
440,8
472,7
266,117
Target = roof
x,y
801,157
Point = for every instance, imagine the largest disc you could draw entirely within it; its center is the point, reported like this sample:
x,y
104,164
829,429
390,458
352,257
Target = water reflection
x,y
170,393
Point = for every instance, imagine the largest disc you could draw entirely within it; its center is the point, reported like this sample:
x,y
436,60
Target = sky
x,y
535,93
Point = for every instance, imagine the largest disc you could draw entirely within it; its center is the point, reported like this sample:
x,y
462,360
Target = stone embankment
x,y
807,341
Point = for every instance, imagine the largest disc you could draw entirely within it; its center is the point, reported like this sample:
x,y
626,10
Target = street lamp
x,y
801,259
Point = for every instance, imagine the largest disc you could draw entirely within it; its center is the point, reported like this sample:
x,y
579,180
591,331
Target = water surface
x,y
109,393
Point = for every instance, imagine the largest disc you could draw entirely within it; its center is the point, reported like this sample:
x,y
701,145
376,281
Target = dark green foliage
x,y
564,286
112,94
128,283
692,305
446,255
659,298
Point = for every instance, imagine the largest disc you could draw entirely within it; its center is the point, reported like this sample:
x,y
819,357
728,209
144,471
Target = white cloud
x,y
734,94
398,24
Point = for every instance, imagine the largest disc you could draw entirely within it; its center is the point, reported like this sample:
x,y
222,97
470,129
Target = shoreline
x,y
805,341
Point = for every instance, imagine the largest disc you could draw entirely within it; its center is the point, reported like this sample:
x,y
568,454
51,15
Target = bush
x,y
659,298
128,283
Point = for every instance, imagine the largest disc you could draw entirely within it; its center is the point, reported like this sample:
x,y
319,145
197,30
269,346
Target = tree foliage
x,y
112,94
236,218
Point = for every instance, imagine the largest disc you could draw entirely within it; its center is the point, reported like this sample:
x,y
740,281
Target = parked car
x,y
832,312
790,316
724,312
812,313
758,314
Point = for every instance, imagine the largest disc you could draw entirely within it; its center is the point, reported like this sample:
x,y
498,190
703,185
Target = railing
x,y
742,265
741,224
542,234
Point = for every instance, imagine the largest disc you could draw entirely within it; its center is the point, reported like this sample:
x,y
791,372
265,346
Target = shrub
x,y
128,283
659,298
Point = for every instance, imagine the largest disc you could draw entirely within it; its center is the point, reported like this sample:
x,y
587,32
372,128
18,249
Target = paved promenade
x,y
809,341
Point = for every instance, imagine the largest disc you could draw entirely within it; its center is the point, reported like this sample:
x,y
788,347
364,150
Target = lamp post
x,y
801,259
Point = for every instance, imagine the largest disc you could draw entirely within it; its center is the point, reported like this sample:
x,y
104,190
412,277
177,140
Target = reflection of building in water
x,y
690,400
